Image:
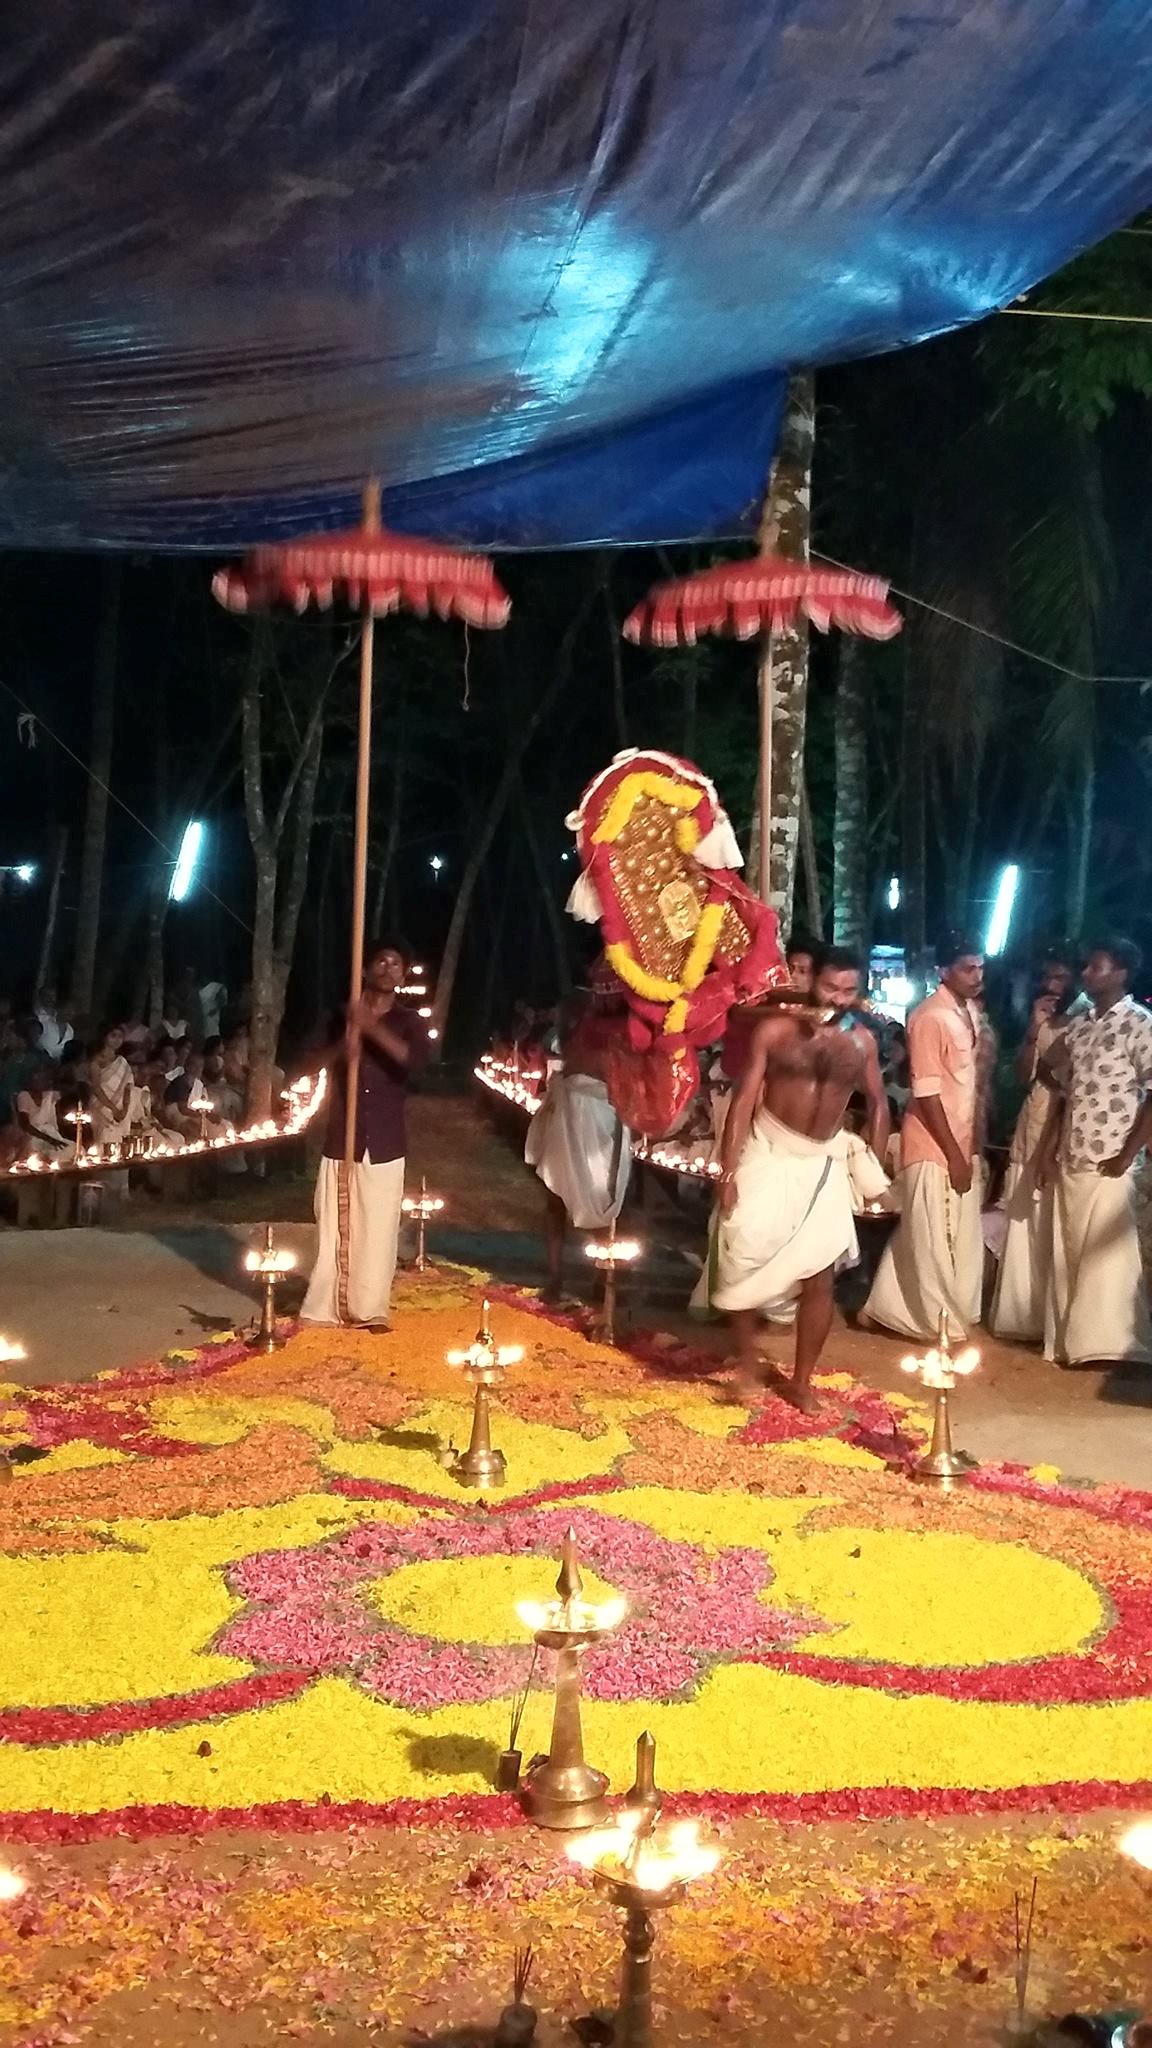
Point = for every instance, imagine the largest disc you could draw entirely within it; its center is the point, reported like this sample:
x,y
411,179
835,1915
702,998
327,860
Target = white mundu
x,y
934,1261
792,1216
581,1150
1096,1305
372,1228
933,1264
1022,1277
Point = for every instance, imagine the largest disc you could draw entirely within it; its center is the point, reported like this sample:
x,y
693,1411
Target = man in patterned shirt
x,y
1101,1119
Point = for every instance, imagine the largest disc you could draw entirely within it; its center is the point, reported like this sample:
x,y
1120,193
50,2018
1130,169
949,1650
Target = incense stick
x,y
1023,1950
522,1702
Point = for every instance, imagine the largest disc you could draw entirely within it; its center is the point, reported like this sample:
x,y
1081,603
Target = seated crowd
x,y
176,1082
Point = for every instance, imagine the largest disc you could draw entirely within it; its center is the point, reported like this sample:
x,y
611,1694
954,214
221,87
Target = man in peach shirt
x,y
934,1262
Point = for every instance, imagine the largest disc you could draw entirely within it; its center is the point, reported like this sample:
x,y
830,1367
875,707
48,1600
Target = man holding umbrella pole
x,y
358,1209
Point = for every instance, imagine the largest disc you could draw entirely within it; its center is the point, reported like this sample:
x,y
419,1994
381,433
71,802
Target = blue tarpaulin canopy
x,y
539,266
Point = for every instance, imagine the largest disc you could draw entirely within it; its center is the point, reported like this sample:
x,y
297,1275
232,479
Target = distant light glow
x,y
187,860
894,893
26,871
436,864
999,923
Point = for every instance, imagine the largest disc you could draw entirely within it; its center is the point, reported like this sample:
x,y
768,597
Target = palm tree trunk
x,y
616,660
688,705
274,922
962,873
51,915
495,953
552,913
267,998
1080,829
783,675
913,858
96,808
517,746
153,1001
809,868
395,812
850,823
287,899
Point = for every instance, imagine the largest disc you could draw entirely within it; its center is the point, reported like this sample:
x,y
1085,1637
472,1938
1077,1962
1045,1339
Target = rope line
x,y
1052,313
1075,675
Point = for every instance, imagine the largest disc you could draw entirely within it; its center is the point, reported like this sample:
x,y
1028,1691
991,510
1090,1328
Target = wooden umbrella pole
x,y
765,542
360,837
764,775
359,874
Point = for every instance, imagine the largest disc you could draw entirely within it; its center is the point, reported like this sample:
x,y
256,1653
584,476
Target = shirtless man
x,y
785,1202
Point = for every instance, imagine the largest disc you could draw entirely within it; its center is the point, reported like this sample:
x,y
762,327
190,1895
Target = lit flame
x,y
938,1370
519,1085
12,1885
273,1260
9,1351
482,1357
422,1205
574,1617
1136,1842
654,1863
613,1251
504,1079
198,1098
304,1097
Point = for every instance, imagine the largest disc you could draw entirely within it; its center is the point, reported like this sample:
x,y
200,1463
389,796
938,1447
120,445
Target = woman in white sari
x,y
110,1079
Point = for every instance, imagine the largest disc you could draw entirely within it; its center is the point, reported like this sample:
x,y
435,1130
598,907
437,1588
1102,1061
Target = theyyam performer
x,y
684,939
683,934
786,1207
358,1218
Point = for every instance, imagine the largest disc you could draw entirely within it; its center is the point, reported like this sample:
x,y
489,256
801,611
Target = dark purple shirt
x,y
383,1089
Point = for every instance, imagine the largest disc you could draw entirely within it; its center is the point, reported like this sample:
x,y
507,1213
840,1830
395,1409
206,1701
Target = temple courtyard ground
x,y
260,1652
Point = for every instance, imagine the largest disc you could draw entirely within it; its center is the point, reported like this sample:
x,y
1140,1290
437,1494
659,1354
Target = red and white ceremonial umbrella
x,y
764,594
374,572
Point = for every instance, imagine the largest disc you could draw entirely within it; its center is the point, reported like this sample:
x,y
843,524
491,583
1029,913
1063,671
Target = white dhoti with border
x,y
581,1150
373,1225
1096,1306
934,1260
792,1218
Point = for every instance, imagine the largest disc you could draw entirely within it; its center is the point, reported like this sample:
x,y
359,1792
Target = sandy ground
x,y
87,1301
